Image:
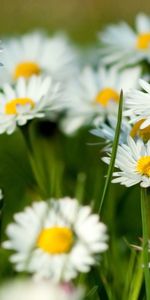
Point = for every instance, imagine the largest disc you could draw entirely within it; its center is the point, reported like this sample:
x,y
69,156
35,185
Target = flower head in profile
x,y
106,130
138,108
56,239
27,100
29,290
133,162
36,54
124,46
95,95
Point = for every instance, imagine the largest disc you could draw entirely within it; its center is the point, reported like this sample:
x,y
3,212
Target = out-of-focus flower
x,y
95,95
56,239
28,290
106,131
27,100
35,53
123,46
138,106
133,162
1,194
138,132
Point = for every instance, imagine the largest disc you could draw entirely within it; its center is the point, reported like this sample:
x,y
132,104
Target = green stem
x,y
96,277
25,133
26,136
145,227
1,212
114,152
47,170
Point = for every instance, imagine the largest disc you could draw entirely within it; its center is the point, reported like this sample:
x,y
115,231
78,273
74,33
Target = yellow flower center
x,y
11,106
106,95
143,41
143,166
55,240
143,133
26,69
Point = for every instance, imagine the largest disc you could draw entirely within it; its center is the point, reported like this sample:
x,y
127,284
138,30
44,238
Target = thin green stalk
x,y
145,228
80,187
96,277
1,212
31,155
136,280
114,152
25,133
47,170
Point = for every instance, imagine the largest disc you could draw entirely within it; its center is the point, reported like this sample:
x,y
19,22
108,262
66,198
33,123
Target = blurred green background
x,y
69,159
81,18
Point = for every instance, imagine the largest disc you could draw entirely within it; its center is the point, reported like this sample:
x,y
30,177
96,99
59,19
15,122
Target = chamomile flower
x,y
95,95
123,46
25,289
56,239
133,162
138,132
27,100
35,53
138,106
106,130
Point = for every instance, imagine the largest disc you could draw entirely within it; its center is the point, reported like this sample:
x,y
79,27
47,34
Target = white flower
x,y
107,130
124,46
138,104
28,290
56,239
35,53
94,95
27,100
133,162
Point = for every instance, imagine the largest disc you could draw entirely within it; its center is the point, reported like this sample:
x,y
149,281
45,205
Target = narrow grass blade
x,y
136,280
1,211
114,151
80,187
145,228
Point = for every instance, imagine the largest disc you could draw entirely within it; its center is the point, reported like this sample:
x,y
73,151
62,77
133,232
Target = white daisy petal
x,y
41,290
133,161
120,45
30,99
54,56
50,239
94,96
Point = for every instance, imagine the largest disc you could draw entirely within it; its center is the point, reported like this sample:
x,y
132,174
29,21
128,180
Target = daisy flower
x,y
106,130
95,95
25,289
27,100
125,46
133,162
35,53
56,239
138,132
138,107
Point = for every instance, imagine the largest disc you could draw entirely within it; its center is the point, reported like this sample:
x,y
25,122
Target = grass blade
x,y
114,151
145,228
